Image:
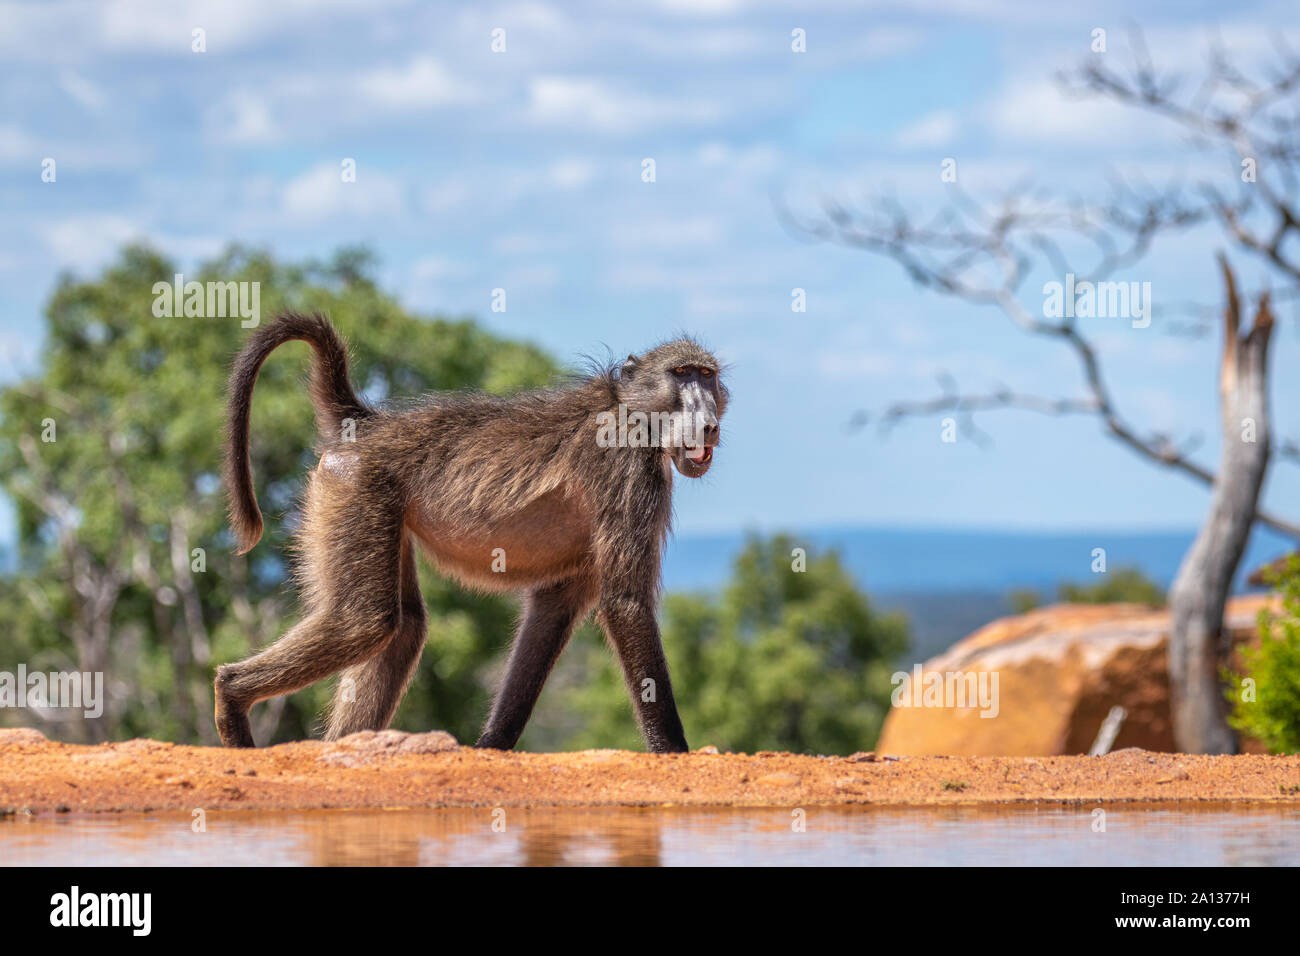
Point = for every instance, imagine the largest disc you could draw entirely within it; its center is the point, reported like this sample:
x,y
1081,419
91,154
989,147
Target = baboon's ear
x,y
628,367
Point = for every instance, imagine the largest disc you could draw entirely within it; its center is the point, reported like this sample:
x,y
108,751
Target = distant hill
x,y
949,582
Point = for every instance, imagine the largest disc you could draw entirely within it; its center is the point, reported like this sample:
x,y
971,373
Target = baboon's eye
x,y
706,372
680,370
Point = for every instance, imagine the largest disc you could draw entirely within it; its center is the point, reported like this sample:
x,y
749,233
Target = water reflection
x,y
501,836
1176,835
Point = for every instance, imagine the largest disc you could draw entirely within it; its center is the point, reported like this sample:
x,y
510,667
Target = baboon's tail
x,y
331,394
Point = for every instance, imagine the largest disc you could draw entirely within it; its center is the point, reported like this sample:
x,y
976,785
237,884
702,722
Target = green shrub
x,y
1269,708
1123,585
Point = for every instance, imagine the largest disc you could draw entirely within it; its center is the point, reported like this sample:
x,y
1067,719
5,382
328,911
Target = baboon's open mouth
x,y
693,462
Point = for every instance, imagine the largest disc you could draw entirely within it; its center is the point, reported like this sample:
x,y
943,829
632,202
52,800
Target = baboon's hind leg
x,y
368,693
354,560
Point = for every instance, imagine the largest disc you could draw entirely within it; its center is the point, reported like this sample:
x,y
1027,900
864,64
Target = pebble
x,y
368,746
778,780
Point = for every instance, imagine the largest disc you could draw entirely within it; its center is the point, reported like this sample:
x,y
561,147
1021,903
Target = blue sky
x,y
522,170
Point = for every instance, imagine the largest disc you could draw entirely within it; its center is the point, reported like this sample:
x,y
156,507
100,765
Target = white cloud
x,y
83,91
422,83
701,8
84,240
431,268
243,117
87,242
165,25
319,193
16,146
307,105
635,274
668,233
430,277
932,130
754,160
158,25
534,16
1157,409
1038,112
38,30
537,276
1184,48
91,153
493,189
887,41
716,44
594,104
571,173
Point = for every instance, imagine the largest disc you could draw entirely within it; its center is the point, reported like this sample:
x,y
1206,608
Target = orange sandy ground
x,y
40,776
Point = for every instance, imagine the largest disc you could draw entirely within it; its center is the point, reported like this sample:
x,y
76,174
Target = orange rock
x,y
1059,672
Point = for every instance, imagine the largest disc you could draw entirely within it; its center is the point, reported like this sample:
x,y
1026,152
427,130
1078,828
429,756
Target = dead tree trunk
x,y
1197,645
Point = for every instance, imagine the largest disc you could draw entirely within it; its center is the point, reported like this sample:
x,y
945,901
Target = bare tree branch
x,y
983,254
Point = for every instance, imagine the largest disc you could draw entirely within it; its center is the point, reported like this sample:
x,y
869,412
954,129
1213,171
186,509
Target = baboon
x,y
564,494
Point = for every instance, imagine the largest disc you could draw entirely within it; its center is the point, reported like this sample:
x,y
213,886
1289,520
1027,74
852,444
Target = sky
x,y
523,170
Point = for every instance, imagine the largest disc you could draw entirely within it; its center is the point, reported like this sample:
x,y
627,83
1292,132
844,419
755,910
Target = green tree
x,y
1024,600
785,660
111,452
1122,586
1272,712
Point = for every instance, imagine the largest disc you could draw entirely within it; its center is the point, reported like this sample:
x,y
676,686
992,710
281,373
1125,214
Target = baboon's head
x,y
680,385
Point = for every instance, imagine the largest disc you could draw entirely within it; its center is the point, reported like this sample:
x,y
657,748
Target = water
x,y
1165,835
947,561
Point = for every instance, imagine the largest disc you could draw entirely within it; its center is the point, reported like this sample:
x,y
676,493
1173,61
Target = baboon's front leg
x,y
630,623
548,619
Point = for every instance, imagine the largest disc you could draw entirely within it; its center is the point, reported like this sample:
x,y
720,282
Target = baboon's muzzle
x,y
693,458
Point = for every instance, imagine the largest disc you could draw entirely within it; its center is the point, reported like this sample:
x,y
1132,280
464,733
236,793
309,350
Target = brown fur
x,y
581,526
